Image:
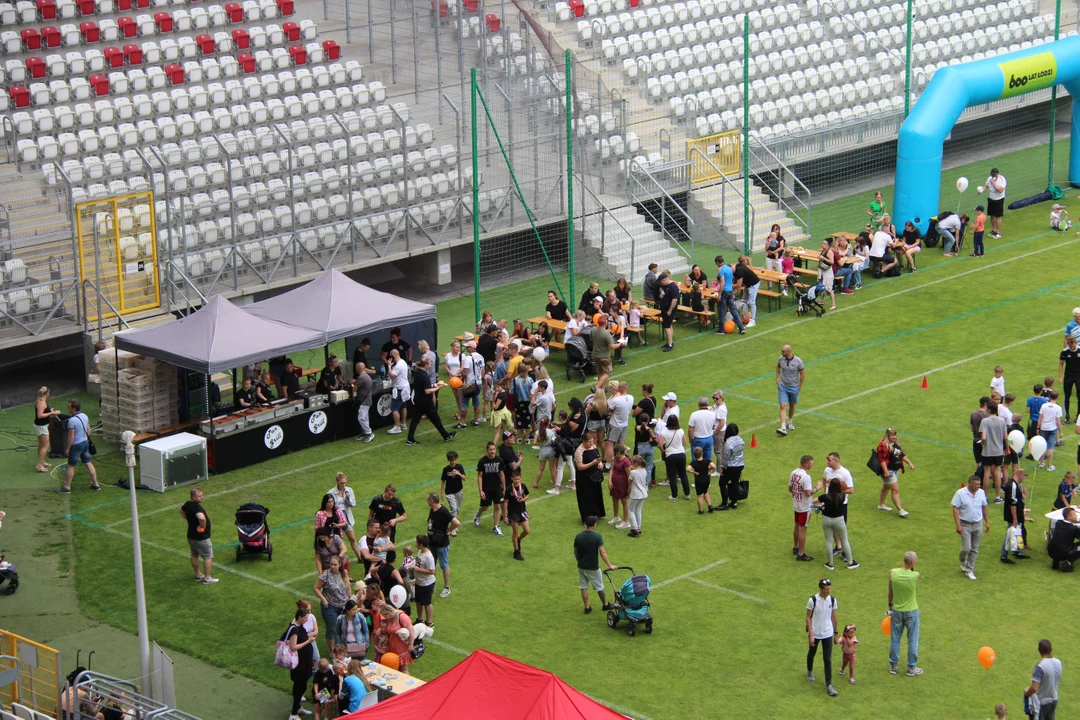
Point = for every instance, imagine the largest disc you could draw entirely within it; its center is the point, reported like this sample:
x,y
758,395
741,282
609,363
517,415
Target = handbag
x,y
874,463
284,656
90,446
470,390
355,650
418,649
744,489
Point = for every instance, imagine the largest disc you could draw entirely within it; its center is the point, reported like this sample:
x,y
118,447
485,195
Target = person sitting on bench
x,y
881,261
1064,545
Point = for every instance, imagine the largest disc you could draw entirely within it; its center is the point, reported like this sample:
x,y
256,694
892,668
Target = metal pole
x,y
97,279
370,30
292,197
438,62
416,51
1053,103
475,203
746,133
145,677
568,71
348,21
907,61
393,43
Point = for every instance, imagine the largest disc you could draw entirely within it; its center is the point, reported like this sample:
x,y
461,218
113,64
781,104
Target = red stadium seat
x,y
492,21
19,95
235,12
241,39
35,67
90,32
164,22
31,39
99,84
246,62
331,49
285,7
291,30
128,27
578,7
86,7
206,44
471,6
133,54
123,5
444,9
299,54
175,74
50,37
46,9
114,57
142,4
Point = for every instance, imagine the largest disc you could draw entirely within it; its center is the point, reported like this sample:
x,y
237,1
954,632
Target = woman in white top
x,y
577,322
672,440
719,408
453,361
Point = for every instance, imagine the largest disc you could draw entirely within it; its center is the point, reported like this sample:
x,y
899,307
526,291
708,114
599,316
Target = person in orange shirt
x,y
980,224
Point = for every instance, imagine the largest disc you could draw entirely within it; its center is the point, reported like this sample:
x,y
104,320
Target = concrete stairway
x,y
725,206
627,243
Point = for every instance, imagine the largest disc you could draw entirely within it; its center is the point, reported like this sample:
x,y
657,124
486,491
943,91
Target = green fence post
x,y
475,203
1053,104
569,172
746,135
907,62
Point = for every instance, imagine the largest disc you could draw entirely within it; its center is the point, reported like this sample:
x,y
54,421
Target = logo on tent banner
x,y
1034,72
273,437
384,406
316,422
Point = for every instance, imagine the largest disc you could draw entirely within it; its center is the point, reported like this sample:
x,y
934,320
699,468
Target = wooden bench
x,y
639,331
703,316
554,345
769,296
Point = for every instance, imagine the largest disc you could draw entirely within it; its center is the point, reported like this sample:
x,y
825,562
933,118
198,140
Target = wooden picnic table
x,y
389,681
815,256
849,236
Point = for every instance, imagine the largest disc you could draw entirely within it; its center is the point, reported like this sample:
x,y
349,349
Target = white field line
x,y
744,596
298,579
687,576
677,358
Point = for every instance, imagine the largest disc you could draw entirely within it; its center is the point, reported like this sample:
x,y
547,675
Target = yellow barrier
x,y
117,239
39,671
723,150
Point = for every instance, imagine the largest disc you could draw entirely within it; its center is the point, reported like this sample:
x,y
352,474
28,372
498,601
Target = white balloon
x,y
1037,445
1017,440
398,596
539,354
962,184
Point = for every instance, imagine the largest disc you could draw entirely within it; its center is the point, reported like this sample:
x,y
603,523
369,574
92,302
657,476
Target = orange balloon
x,y
613,329
886,625
729,326
596,318
455,382
390,660
987,656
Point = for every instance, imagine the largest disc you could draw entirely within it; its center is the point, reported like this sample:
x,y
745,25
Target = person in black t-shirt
x,y
512,460
290,383
491,481
198,536
488,343
325,679
360,359
556,309
395,343
386,508
586,304
1064,545
1069,375
425,388
245,396
516,496
264,389
747,281
441,527
453,477
1014,513
330,378
668,301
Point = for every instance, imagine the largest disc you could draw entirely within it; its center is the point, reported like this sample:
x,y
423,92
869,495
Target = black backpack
x,y
932,236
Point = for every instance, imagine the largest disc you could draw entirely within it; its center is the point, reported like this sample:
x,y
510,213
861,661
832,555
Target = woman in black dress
x,y
622,291
590,492
300,642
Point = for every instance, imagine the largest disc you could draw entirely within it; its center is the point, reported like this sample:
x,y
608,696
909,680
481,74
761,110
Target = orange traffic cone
x,y
753,441
924,385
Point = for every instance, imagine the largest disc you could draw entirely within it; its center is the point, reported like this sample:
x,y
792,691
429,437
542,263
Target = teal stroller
x,y
631,601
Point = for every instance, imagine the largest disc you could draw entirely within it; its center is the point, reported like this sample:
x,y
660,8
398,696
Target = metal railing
x,y
729,225
643,188
606,217
778,189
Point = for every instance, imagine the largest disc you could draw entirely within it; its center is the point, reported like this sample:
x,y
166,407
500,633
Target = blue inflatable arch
x,y
956,87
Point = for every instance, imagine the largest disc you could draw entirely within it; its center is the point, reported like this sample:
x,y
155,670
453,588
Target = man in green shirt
x,y
904,613
588,549
602,345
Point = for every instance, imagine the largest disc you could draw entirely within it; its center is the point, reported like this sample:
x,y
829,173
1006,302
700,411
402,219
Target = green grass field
x,y
729,600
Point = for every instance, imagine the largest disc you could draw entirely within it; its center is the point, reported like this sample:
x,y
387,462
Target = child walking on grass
x,y
619,489
847,643
639,490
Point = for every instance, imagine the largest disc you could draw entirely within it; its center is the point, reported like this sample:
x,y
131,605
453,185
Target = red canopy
x,y
486,685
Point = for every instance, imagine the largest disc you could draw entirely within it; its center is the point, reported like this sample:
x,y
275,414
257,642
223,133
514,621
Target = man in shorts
x,y
441,526
602,345
77,448
995,205
198,537
700,428
588,549
790,376
491,481
802,489
992,432
668,302
400,395
620,404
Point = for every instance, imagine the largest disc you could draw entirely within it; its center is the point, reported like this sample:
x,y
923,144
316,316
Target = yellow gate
x,y
117,241
723,150
39,674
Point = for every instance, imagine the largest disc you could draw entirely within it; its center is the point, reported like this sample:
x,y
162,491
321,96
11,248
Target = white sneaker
x,y
886,508
294,717
445,592
687,496
1042,465
613,520
752,323
970,574
553,491
674,498
622,526
396,430
1050,468
476,519
209,580
305,711
497,531
790,425
904,513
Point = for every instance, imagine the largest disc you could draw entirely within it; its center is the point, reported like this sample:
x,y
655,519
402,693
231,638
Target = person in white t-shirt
x,y
720,412
995,207
670,407
619,405
1049,427
833,469
802,489
822,629
424,570
700,427
400,395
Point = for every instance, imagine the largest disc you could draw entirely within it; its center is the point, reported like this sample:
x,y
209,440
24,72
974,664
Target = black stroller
x,y
8,575
252,531
579,353
806,298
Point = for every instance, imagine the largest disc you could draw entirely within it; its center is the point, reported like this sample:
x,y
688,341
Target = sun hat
x,y
671,396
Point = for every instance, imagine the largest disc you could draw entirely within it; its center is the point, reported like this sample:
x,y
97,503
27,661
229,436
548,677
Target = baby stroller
x,y
252,531
806,297
8,575
579,353
631,601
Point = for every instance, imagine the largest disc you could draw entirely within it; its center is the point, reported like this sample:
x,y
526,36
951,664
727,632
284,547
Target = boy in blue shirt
x,y
725,277
1034,405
